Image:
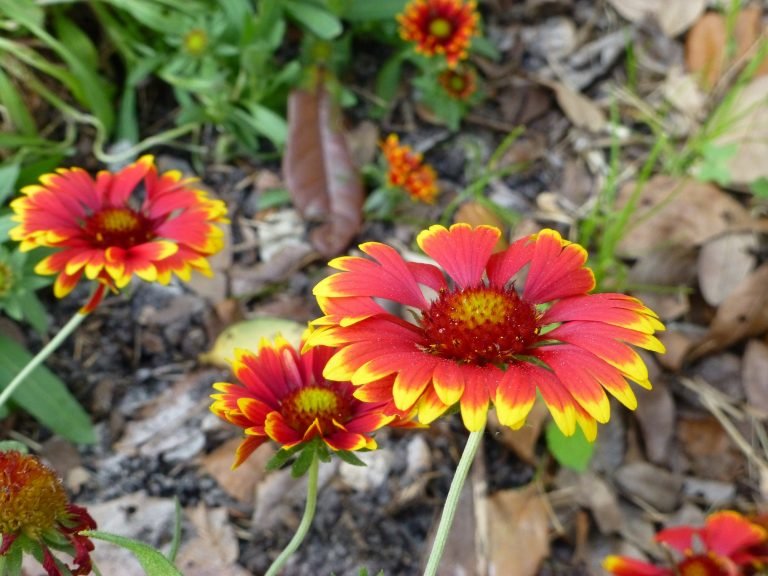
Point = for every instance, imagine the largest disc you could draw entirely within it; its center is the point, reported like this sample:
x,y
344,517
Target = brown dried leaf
x,y
742,315
518,526
710,450
656,414
214,548
321,176
676,212
241,483
748,130
723,263
477,214
755,375
523,441
674,16
705,48
579,109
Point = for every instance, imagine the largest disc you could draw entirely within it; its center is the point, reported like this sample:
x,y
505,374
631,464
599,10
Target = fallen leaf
x,y
746,128
214,549
744,313
656,415
677,212
674,16
709,449
724,262
247,335
241,483
579,109
324,184
518,527
477,214
755,375
705,48
654,485
523,441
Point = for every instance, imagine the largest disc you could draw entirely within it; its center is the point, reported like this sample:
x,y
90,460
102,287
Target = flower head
x,y
481,334
459,83
36,515
282,395
408,171
119,224
440,27
727,545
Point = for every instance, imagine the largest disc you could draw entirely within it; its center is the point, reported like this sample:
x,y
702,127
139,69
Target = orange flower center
x,y
32,498
701,566
440,28
480,325
305,405
121,227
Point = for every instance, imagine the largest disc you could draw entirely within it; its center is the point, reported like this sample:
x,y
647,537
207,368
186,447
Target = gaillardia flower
x,y
408,171
36,516
724,547
440,27
459,83
119,224
482,333
282,395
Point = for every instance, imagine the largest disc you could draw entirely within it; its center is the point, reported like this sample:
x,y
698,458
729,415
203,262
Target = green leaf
x,y
304,460
9,173
760,187
714,164
14,105
573,452
34,312
267,123
366,10
153,562
13,446
314,18
278,460
73,37
388,78
483,47
44,395
350,458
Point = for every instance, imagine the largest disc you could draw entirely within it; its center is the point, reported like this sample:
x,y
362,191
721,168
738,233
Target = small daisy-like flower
x,y
408,171
119,224
481,333
196,42
442,27
723,547
459,83
282,395
36,516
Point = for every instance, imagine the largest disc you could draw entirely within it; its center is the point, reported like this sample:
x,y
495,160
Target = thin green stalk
x,y
55,342
306,521
452,501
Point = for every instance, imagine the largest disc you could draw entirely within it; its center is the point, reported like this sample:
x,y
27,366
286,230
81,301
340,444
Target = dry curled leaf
x,y
723,263
673,16
322,179
742,315
755,375
477,214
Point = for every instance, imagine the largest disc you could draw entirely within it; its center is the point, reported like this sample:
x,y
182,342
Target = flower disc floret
x,y
108,229
459,83
36,516
490,328
281,395
440,27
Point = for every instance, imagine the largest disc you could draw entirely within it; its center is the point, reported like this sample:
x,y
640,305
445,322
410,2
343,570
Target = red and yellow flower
x,y
36,516
483,332
459,83
443,27
282,395
408,171
727,545
134,221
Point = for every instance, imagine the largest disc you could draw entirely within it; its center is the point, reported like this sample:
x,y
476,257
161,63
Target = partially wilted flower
x,y
459,83
130,222
36,516
408,171
443,27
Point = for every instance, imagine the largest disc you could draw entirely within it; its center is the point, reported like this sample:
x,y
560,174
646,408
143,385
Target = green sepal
x,y
350,458
283,455
304,461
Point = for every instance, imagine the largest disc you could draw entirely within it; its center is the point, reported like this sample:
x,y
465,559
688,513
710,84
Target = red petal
x,y
448,381
278,430
623,566
516,393
503,266
479,387
727,532
411,381
430,407
557,269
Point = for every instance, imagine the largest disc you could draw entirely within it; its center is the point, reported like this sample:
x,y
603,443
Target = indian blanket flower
x,y
282,395
727,545
36,516
134,221
481,333
440,27
459,83
408,171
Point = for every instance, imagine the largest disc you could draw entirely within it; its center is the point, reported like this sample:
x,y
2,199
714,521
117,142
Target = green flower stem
x,y
306,521
452,501
55,342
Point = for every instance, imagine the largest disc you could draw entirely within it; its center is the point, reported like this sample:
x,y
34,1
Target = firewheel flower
x,y
408,171
459,83
36,516
282,395
728,545
441,27
134,221
482,332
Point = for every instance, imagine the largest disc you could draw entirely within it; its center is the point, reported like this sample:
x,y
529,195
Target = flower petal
x,y
557,269
448,381
516,392
624,566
